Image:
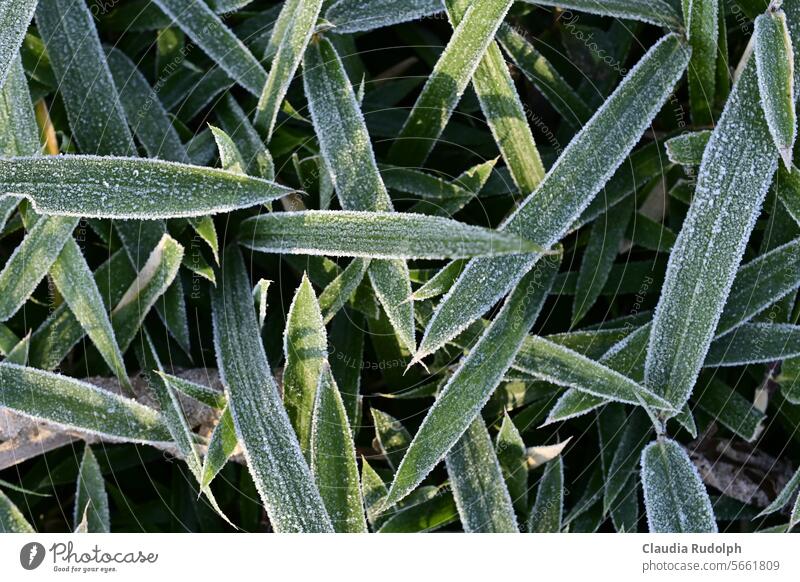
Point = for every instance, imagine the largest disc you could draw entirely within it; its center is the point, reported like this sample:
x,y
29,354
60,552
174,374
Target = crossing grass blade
x,y
674,496
462,398
567,189
774,58
450,77
341,289
348,16
333,458
78,405
732,184
207,30
91,499
305,346
484,504
124,188
288,54
280,472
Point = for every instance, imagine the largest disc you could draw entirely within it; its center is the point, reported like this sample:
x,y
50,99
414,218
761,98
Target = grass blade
x,y
220,448
462,398
333,458
112,187
479,489
393,438
279,470
733,180
390,280
15,16
305,346
208,31
349,16
385,235
568,188
775,70
447,82
31,261
548,510
91,500
674,496
11,518
341,289
288,55
658,12
510,451
77,405
702,25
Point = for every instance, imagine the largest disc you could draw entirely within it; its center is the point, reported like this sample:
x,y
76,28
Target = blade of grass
x,y
91,499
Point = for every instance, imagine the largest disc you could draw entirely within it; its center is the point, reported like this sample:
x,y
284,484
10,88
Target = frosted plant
x,y
399,266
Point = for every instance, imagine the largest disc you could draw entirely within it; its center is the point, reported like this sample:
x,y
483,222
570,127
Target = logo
x,y
31,555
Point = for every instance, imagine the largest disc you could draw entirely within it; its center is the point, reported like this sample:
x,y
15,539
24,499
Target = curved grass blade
x,y
568,188
447,83
738,165
470,387
341,289
333,458
393,438
390,280
774,58
279,470
15,16
204,394
702,28
220,448
305,346
503,111
95,114
674,496
373,491
11,518
258,161
31,261
348,16
229,155
479,489
384,235
433,510
112,187
91,499
548,510
77,405
19,135
288,54
687,149
146,115
731,409
152,282
441,282
207,30
658,12
538,70
784,496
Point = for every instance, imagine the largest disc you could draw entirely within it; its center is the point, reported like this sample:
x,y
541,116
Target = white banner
x,y
265,557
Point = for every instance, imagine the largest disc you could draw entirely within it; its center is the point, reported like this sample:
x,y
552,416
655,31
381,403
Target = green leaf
x,y
288,51
204,394
538,70
91,500
435,510
568,189
731,410
658,12
479,489
208,31
441,282
79,406
258,161
220,448
156,276
470,387
510,450
112,187
393,438
687,149
11,518
503,110
605,239
31,261
775,70
15,16
390,280
738,165
448,81
348,16
229,155
547,512
333,458
374,491
702,29
674,496
341,289
279,470
386,235
754,343
784,496
634,437
305,346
